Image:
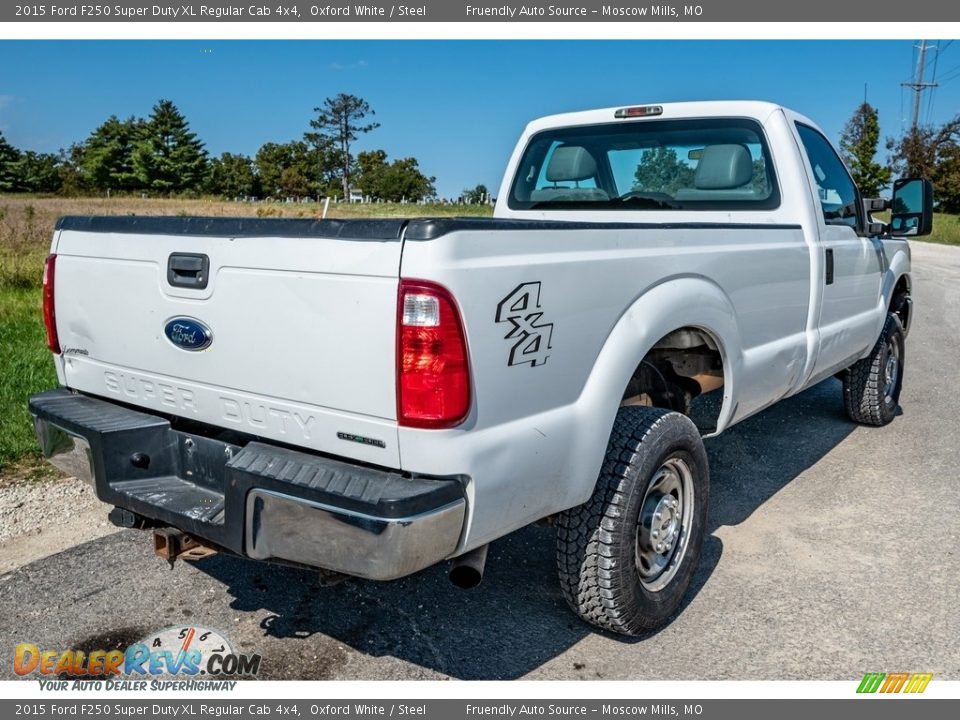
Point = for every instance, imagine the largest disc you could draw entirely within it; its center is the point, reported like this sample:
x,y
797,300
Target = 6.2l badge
x,y
188,334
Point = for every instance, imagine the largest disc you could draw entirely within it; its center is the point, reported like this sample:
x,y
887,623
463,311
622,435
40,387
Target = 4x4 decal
x,y
532,338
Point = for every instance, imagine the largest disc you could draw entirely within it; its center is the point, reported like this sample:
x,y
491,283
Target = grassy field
x,y
946,230
25,368
26,226
26,223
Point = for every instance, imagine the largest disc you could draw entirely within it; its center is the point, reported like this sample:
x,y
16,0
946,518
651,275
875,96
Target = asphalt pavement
x,y
833,550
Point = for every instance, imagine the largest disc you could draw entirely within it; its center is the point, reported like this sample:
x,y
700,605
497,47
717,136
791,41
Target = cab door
x,y
852,262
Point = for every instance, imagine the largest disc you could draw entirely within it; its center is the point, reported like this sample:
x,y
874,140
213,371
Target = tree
x,y
476,195
338,123
73,180
38,172
9,156
932,153
370,171
108,154
946,181
660,170
404,181
858,144
168,157
393,182
295,182
285,169
233,176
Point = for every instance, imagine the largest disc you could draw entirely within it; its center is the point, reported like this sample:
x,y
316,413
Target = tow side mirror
x,y
911,208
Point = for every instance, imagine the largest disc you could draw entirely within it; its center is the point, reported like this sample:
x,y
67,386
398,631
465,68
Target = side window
x,y
838,194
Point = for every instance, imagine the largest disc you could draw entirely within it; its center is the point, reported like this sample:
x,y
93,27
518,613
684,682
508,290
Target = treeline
x,y
925,151
160,156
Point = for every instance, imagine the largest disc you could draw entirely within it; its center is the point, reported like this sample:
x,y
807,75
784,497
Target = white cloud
x,y
358,65
6,100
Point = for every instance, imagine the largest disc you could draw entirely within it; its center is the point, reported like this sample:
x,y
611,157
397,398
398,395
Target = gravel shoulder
x,y
42,518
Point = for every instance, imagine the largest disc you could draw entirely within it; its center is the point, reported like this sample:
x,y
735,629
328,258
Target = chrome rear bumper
x,y
377,548
67,452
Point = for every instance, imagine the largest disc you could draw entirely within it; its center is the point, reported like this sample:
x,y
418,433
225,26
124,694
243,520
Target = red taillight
x,y
49,311
433,377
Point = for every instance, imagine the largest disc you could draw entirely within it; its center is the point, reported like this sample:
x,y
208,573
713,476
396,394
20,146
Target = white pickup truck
x,y
374,397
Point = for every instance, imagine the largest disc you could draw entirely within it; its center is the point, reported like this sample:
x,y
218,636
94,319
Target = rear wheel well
x,y
681,366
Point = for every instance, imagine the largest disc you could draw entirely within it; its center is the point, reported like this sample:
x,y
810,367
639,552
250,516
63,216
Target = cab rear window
x,y
696,164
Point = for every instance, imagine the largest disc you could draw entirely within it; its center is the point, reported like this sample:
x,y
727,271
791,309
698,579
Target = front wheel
x,y
871,386
626,557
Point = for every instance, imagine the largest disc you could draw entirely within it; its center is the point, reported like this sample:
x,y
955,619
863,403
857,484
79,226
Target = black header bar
x,y
289,11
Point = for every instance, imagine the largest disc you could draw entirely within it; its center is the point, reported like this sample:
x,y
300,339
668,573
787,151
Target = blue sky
x,y
456,106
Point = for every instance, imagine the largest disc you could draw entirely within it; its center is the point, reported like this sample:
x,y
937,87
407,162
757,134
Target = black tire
x,y
603,546
870,395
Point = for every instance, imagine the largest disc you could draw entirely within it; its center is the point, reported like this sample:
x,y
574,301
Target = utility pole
x,y
918,85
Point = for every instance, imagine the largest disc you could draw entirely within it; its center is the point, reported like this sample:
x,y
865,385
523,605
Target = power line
x,y
951,74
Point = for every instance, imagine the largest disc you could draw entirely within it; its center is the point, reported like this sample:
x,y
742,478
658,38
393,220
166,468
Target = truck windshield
x,y
696,164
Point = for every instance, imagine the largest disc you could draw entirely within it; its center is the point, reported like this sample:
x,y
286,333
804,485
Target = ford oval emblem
x,y
188,334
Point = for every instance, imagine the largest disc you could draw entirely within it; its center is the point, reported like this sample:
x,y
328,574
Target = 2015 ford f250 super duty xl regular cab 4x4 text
x,y
374,397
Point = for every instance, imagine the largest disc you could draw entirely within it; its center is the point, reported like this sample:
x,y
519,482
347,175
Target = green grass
x,y
946,230
26,367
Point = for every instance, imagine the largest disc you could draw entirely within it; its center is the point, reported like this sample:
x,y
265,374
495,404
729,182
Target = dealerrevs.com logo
x,y
173,652
888,683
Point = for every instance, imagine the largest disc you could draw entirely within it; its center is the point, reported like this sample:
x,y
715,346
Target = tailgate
x,y
301,318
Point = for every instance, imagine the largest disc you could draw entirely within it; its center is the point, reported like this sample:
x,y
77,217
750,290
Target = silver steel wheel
x,y
666,515
891,370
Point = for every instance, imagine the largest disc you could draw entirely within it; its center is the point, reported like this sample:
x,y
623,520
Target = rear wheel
x,y
871,386
627,556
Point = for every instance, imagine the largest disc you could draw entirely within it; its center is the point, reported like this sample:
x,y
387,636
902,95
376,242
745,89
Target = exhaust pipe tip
x,y
466,571
465,578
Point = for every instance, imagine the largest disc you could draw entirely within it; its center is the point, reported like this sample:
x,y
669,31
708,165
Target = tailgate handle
x,y
188,270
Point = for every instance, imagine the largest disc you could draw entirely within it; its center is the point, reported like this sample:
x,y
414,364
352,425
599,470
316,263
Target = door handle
x,y
829,266
188,270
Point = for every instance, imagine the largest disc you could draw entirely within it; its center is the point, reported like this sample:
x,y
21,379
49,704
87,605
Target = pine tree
x,y
38,172
73,179
8,166
339,120
168,158
108,154
858,144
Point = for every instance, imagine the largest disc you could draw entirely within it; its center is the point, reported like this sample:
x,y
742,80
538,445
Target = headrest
x,y
571,163
723,167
